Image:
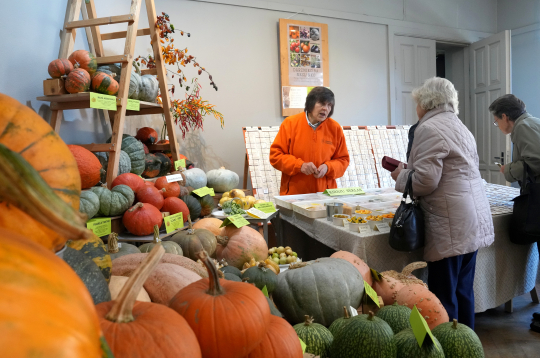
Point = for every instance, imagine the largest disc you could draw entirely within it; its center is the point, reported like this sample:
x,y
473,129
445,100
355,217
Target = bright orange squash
x,y
89,166
281,341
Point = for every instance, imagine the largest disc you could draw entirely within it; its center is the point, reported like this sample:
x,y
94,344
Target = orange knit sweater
x,y
297,143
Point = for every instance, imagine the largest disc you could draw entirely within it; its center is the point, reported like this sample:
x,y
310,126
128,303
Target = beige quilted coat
x,y
447,180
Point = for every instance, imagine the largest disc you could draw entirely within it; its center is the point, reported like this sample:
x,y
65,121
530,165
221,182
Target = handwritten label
x,y
420,327
204,191
133,105
174,177
257,214
265,291
174,222
303,345
179,164
383,228
102,101
364,229
266,207
370,292
344,191
237,220
354,311
100,226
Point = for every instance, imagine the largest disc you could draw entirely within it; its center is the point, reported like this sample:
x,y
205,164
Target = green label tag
x,y
133,105
102,101
238,220
420,328
344,191
267,207
179,163
204,191
174,222
265,291
303,346
100,226
371,294
376,275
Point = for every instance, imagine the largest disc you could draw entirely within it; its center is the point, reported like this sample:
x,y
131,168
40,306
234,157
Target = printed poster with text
x,y
305,60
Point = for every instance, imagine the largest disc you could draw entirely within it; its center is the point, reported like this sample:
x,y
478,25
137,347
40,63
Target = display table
x,y
503,270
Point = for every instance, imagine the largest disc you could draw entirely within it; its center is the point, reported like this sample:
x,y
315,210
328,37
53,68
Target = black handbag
x,y
525,221
408,231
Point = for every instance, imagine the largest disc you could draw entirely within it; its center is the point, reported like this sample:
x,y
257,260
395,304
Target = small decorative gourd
x,y
194,240
170,247
115,201
104,83
89,203
117,249
84,60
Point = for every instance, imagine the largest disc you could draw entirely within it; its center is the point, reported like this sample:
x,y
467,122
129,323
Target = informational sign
x,y
204,191
179,164
364,229
354,311
133,105
102,101
305,54
174,222
383,228
420,328
237,220
174,177
344,191
257,214
370,292
267,207
99,226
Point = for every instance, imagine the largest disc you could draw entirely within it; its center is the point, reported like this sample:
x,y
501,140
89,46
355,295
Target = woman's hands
x,y
396,172
311,169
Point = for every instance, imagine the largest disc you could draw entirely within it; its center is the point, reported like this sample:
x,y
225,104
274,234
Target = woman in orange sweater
x,y
310,149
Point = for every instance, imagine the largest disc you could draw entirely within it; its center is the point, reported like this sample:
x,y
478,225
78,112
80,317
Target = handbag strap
x,y
408,187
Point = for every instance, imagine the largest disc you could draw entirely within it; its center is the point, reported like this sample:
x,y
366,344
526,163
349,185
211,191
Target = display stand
x,y
82,100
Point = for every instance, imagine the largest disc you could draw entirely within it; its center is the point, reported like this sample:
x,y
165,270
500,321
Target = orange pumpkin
x,y
45,309
238,246
171,189
147,135
84,60
391,282
134,181
25,132
59,67
129,326
427,303
77,81
229,318
211,224
141,218
89,166
360,265
151,195
124,265
281,341
103,83
175,206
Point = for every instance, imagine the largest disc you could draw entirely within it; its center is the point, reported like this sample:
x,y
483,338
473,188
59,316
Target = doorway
x,y
450,64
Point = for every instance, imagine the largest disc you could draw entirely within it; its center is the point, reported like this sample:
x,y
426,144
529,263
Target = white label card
x,y
364,229
354,128
354,312
383,228
174,177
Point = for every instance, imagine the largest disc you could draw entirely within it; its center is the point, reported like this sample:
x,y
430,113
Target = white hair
x,y
436,92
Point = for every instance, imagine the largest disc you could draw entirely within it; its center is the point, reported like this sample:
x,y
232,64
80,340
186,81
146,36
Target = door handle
x,y
501,158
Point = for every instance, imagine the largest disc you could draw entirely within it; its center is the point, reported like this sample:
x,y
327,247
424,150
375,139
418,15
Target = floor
x,y
507,335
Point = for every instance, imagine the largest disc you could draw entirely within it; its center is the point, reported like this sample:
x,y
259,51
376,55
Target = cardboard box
x,y
54,87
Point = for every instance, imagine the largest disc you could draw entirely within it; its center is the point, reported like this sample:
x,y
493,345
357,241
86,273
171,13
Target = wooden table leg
x,y
56,120
534,295
509,306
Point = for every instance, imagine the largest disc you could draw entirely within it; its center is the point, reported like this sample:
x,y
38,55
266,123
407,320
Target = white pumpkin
x,y
149,88
195,178
222,180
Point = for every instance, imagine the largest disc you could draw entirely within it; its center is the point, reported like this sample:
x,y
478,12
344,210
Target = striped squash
x,y
458,340
60,67
407,346
95,250
317,337
77,81
364,336
396,316
85,60
103,83
339,323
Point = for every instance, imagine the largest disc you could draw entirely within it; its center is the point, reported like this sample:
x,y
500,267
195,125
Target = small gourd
x,y
317,337
195,178
193,240
339,323
407,346
117,249
170,247
222,180
261,276
115,201
458,340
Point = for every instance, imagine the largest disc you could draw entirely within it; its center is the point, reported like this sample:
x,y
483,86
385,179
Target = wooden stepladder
x,y
92,25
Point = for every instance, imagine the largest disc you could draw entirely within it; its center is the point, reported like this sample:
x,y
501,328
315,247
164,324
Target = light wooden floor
x,y
507,335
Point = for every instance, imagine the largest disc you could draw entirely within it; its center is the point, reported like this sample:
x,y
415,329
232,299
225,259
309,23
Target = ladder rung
x,y
113,59
105,147
123,34
150,71
100,21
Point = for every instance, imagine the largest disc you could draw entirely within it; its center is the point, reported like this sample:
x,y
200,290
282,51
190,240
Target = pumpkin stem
x,y
346,312
222,168
407,270
112,243
190,226
122,309
371,315
156,235
454,324
222,240
136,206
262,265
22,186
298,265
308,320
214,288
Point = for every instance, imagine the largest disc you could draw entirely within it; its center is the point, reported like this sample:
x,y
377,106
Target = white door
x,y
490,78
414,63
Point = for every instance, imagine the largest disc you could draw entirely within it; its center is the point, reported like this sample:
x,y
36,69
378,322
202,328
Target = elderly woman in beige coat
x,y
447,180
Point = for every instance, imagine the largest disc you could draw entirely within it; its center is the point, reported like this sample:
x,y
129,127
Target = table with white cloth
x,y
503,270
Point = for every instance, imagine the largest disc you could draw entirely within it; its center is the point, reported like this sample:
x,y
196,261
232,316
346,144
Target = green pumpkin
x,y
364,336
134,85
112,69
149,88
273,308
170,247
195,178
339,323
193,205
95,250
192,240
232,277
317,337
222,180
117,249
207,204
407,346
114,202
89,203
152,166
124,164
458,340
396,316
261,276
165,164
135,151
231,269
89,274
318,288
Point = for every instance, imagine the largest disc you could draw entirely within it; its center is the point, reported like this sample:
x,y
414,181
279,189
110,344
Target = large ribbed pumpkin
x,y
237,246
39,296
77,81
281,341
212,224
134,181
135,151
222,180
24,132
151,195
147,135
141,218
115,201
171,189
207,203
84,60
60,67
175,206
207,302
192,241
170,247
360,265
89,166
123,266
196,178
427,303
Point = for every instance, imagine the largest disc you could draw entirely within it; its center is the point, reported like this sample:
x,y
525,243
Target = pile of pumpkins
x,y
81,74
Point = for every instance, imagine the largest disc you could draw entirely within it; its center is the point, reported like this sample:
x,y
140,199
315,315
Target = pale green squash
x,y
89,203
115,201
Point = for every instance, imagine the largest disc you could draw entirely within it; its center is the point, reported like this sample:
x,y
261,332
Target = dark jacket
x,y
526,138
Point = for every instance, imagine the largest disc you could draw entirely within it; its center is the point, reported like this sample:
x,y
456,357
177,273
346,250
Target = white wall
x,y
237,41
513,14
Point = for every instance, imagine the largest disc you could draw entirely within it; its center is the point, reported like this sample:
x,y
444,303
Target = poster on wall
x,y
304,62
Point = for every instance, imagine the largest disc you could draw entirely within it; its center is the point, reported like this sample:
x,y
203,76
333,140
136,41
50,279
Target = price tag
x,y
370,292
265,190
174,177
252,129
376,275
102,101
257,214
303,345
237,220
354,311
100,226
383,228
174,222
204,191
179,163
364,229
119,245
420,328
354,128
344,191
266,207
265,291
133,105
